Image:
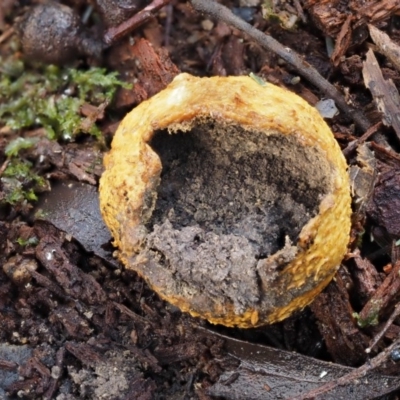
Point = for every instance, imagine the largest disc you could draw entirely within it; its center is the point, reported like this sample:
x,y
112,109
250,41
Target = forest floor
x,y
74,324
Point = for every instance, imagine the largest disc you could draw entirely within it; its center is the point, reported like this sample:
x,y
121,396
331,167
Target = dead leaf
x,y
73,207
266,373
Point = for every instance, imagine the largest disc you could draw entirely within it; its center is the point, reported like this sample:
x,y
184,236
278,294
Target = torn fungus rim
x,y
288,279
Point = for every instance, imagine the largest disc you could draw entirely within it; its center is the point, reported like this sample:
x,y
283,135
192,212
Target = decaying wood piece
x,y
386,294
333,310
343,41
339,21
376,11
74,281
148,66
387,156
366,277
330,16
386,46
385,93
383,209
326,15
362,177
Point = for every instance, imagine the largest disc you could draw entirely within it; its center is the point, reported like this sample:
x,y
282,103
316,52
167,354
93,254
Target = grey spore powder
x,y
228,199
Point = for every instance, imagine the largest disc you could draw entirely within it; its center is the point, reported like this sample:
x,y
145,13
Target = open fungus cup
x,y
231,199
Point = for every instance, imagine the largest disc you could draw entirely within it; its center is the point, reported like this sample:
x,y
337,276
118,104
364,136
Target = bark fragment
x,y
384,92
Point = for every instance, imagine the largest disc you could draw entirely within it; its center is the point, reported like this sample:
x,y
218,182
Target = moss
x,y
14,147
32,241
40,214
46,97
359,237
372,318
51,97
20,182
275,13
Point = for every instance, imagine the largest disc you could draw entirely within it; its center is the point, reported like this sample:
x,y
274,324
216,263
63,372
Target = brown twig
x,y
351,376
115,33
388,323
8,365
168,24
353,145
222,13
300,11
343,41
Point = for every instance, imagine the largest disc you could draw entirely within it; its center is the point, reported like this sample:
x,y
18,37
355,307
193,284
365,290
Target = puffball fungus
x,y
231,199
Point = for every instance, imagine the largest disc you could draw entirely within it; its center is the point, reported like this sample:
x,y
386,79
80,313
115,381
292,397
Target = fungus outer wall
x,y
306,183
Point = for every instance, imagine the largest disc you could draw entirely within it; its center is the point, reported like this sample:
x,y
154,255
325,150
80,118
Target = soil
x,y
74,324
